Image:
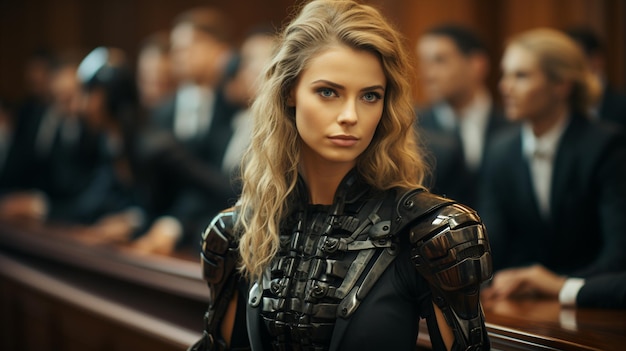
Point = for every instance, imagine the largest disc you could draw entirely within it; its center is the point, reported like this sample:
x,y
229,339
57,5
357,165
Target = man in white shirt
x,y
198,115
454,66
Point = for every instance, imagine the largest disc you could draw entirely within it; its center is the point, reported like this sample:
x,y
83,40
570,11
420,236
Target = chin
x,y
513,115
341,159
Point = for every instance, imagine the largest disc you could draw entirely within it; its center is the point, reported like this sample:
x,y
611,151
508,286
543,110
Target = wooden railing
x,y
58,293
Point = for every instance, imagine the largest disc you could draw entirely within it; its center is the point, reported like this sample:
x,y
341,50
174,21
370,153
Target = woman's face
x,y
528,93
339,101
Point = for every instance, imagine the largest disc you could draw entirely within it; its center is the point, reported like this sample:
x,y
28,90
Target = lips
x,y
344,140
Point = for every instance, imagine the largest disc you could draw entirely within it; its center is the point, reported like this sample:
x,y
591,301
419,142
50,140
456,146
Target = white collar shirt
x,y
193,115
471,125
540,153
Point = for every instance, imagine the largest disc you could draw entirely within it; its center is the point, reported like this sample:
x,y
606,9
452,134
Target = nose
x,y
348,113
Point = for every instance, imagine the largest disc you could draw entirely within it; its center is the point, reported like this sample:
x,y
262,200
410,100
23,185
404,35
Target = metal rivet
x,y
274,287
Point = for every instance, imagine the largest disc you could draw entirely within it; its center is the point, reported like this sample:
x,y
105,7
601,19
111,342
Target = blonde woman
x,y
335,244
555,193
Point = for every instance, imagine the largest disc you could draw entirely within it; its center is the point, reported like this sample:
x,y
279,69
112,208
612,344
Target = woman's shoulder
x,y
420,207
222,227
219,247
417,202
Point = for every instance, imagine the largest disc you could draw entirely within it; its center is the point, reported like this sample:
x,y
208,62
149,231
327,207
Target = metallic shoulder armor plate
x,y
219,259
451,251
219,249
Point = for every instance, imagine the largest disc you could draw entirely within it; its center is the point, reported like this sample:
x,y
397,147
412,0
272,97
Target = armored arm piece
x,y
218,259
451,251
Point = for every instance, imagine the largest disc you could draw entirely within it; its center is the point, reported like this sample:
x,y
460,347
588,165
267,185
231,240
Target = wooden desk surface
x,y
545,325
512,325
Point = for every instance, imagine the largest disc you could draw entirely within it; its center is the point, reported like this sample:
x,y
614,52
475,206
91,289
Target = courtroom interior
x,y
124,126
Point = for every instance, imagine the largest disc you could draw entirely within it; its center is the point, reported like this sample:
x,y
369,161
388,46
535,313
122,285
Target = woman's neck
x,y
543,124
323,181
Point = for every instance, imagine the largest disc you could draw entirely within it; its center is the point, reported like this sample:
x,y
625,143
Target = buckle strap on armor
x,y
351,302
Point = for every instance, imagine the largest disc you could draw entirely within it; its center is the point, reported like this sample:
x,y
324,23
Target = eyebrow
x,y
341,87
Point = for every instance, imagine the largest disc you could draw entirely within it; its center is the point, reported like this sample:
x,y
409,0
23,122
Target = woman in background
x,y
555,189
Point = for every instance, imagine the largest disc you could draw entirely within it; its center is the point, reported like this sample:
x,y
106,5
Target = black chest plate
x,y
323,261
300,300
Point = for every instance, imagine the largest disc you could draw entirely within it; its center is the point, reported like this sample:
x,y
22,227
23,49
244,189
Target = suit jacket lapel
x,y
524,184
564,165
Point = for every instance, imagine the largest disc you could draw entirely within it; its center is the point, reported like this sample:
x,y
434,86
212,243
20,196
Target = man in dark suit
x,y
14,205
612,103
462,118
53,154
603,291
198,116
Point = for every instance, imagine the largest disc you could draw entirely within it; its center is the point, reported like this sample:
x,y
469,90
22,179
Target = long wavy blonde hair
x,y
270,165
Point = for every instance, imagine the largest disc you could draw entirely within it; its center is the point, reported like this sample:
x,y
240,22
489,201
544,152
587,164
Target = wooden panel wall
x,y
64,24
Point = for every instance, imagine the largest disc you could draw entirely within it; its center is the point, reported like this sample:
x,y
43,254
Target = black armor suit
x,y
356,275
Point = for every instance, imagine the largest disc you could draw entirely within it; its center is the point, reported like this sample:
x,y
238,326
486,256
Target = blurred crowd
x,y
143,152
147,152
546,169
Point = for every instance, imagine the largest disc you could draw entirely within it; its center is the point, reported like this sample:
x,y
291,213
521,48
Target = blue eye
x,y
371,97
326,92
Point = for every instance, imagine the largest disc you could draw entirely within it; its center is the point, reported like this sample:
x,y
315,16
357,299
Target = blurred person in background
x,y
462,118
38,71
16,207
198,114
37,74
155,78
109,106
65,151
255,54
554,191
142,168
52,157
612,104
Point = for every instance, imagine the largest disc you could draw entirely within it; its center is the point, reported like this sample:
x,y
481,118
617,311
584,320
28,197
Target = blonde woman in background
x,y
555,189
